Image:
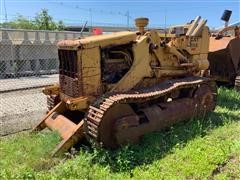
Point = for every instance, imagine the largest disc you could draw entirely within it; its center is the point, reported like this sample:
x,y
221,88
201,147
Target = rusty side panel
x,y
91,71
158,119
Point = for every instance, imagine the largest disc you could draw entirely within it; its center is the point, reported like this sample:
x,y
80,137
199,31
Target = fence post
x,y
36,45
6,55
56,38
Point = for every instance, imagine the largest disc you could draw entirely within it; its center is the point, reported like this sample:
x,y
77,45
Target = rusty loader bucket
x,y
60,119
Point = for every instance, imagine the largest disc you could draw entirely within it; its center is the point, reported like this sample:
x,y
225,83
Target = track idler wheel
x,y
205,97
118,117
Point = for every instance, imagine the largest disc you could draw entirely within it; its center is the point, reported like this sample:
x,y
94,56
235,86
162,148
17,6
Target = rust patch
x,y
68,43
218,44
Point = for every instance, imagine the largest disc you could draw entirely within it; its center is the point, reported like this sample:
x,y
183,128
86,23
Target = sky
x,y
161,13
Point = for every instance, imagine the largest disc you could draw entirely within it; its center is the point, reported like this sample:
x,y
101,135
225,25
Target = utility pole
x,y
90,13
5,9
165,19
165,24
128,17
1,12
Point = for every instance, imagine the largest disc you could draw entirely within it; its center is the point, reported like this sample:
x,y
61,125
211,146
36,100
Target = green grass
x,y
201,148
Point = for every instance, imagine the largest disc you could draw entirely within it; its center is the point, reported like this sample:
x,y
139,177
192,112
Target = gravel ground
x,y
27,82
21,110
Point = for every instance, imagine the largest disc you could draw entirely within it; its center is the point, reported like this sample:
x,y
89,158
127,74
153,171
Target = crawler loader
x,y
115,88
224,54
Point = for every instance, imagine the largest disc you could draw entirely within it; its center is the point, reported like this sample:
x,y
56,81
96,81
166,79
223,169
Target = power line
x,y
68,21
178,9
92,11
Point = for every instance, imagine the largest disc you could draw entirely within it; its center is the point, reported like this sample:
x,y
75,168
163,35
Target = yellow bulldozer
x,y
115,88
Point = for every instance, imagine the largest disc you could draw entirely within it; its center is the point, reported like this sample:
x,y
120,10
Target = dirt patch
x,y
223,167
11,124
21,110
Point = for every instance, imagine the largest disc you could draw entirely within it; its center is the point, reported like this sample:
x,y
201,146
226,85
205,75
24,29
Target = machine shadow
x,y
228,100
157,145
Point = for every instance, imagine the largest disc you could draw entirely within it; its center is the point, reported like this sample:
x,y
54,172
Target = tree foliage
x,y
20,22
42,21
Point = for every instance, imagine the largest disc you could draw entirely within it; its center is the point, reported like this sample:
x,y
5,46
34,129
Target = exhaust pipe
x,y
193,26
199,27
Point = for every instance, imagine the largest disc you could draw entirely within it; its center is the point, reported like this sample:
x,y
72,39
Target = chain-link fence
x,y
28,61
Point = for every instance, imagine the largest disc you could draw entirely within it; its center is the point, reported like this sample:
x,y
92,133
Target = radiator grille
x,y
68,63
70,76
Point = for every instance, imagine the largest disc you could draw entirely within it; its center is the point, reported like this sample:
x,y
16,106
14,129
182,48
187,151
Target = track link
x,y
97,110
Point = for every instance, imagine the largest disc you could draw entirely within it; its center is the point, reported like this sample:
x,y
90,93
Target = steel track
x,y
95,115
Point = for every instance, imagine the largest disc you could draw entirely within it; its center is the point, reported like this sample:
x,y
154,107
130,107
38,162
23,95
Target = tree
x,y
60,26
42,21
20,22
